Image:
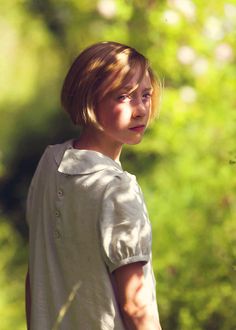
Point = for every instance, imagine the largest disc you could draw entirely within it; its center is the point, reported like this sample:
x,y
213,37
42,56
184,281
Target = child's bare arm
x,y
134,299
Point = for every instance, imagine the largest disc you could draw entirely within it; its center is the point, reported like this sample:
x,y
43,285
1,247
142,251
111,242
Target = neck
x,y
93,139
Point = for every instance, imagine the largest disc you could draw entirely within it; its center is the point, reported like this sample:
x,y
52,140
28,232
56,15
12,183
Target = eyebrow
x,y
131,88
148,89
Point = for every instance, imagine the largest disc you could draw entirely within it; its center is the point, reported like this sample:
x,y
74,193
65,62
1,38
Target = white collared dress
x,y
86,218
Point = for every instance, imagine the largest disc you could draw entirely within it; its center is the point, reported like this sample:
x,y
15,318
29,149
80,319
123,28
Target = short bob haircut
x,y
101,69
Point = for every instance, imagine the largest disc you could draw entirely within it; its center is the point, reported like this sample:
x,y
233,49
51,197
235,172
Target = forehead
x,y
138,79
125,77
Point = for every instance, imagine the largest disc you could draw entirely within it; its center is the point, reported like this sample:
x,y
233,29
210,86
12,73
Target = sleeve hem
x,y
130,260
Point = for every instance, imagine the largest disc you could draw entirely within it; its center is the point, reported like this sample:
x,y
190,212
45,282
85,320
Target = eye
x,y
147,96
123,97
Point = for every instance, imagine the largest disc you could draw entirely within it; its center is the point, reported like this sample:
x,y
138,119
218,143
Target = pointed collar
x,y
75,161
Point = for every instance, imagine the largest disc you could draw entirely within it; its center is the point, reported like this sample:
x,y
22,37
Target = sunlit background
x,y
186,163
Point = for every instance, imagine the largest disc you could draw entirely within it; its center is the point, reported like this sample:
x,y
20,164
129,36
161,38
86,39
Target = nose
x,y
140,109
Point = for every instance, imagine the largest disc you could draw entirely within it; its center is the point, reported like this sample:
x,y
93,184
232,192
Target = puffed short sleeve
x,y
124,225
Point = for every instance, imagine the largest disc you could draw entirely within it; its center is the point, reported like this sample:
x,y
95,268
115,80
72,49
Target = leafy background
x,y
186,163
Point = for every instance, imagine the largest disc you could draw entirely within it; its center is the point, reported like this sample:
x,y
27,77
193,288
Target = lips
x,y
138,129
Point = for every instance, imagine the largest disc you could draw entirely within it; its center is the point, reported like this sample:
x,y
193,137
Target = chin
x,y
137,141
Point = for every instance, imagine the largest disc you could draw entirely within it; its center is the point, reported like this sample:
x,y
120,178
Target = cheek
x,y
122,115
114,115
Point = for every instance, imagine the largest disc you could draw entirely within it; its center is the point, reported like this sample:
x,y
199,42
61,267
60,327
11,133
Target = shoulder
x,y
124,189
121,180
126,180
54,152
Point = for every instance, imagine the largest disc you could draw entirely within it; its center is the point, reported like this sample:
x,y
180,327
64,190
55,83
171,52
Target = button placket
x,y
59,201
57,230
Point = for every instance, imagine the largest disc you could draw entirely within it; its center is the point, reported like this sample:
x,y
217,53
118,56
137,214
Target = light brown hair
x,y
97,71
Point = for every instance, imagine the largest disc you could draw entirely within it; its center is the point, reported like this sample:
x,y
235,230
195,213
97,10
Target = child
x,y
90,236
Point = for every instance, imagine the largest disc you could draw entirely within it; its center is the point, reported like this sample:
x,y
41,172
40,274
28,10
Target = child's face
x,y
124,115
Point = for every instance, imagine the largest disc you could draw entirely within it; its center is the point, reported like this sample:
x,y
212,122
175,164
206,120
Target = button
x,y
57,213
60,193
57,234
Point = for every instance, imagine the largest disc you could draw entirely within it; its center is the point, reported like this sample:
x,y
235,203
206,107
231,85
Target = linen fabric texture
x,y
86,217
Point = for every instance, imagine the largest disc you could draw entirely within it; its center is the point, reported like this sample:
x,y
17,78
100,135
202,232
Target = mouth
x,y
139,128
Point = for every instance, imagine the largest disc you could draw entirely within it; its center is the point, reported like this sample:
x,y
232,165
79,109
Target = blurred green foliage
x,y
186,164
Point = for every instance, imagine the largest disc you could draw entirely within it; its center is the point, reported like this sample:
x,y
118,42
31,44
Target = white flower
x,y
200,66
213,28
224,52
186,7
230,17
171,17
230,11
188,94
107,8
186,55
